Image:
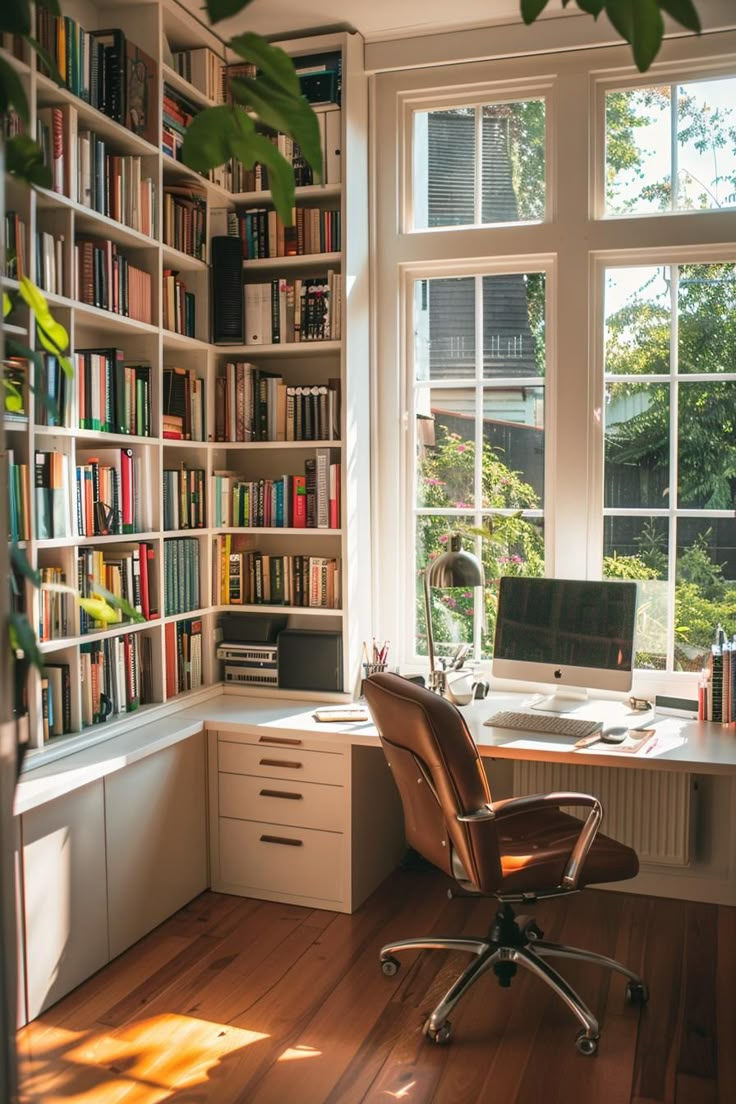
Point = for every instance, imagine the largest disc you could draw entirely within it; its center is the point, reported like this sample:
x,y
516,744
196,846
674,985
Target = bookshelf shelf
x,y
18,64
123,342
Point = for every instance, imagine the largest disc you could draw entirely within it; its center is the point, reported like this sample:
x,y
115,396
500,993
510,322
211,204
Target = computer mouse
x,y
615,735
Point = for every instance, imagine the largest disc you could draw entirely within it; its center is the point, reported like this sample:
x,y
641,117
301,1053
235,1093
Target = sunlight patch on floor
x,y
299,1052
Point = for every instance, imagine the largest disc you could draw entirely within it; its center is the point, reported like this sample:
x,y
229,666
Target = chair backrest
x,y
439,774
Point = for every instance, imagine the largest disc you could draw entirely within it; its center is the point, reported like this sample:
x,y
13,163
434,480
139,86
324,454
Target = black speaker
x,y
253,628
310,660
228,307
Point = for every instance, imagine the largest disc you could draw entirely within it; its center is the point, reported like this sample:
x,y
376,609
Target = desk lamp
x,y
454,568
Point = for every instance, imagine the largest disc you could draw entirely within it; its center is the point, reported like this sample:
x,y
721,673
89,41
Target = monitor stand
x,y
566,699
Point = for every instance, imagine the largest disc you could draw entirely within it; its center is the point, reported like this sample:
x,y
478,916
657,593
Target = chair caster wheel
x,y
637,993
390,967
587,1044
533,932
439,1035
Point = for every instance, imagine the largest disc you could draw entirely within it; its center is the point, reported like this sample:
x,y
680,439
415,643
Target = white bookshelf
x,y
146,24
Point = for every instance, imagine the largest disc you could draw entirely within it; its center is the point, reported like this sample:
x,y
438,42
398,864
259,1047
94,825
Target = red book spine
x,y
145,602
299,503
170,634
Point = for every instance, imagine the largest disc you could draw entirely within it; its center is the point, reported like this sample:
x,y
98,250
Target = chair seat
x,y
535,848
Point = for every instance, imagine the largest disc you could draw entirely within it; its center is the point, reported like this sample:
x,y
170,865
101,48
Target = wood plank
x,y
698,1060
726,1005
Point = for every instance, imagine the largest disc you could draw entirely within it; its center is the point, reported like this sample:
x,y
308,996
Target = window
x,y
562,357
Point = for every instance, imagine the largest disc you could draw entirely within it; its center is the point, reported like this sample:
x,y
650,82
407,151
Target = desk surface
x,y
682,745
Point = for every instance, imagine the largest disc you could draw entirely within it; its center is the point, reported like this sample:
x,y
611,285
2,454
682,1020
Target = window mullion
x,y
478,614
673,459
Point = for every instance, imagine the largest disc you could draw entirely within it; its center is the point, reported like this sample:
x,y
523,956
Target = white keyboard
x,y
543,722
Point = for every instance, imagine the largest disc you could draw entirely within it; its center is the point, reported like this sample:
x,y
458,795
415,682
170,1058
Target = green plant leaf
x,y
23,639
13,397
24,160
51,333
290,114
12,94
7,304
280,177
223,9
592,7
272,62
15,348
620,13
648,31
15,17
98,609
118,603
20,563
684,12
531,9
207,142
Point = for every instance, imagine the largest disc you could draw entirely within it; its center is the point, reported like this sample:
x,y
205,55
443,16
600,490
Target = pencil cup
x,y
373,668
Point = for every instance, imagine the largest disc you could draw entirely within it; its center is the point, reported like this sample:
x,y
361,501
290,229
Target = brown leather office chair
x,y
518,850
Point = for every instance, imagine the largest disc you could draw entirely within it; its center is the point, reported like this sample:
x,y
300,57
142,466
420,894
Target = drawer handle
x,y
290,742
281,793
280,763
283,840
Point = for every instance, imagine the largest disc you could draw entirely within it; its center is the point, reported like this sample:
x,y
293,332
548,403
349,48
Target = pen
x,y
652,746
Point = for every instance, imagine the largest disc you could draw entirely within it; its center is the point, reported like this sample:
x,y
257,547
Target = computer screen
x,y
573,633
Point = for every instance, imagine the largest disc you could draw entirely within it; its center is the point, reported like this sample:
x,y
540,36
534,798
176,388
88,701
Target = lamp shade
x,y
456,567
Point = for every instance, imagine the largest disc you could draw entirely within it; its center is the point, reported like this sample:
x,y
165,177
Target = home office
x,y
506,404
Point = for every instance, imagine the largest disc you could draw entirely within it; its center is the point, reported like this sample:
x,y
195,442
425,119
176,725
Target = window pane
x,y
706,141
637,320
637,425
452,608
513,325
636,548
707,420
705,595
446,448
513,460
512,165
638,151
706,307
516,547
444,328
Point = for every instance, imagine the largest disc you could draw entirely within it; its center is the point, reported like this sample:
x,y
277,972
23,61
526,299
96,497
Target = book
x,y
141,93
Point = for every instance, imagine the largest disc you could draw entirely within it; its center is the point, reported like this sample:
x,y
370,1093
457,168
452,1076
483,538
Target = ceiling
x,y
375,19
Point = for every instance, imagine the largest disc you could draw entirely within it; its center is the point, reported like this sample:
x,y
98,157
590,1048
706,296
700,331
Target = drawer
x,y
281,762
307,804
294,861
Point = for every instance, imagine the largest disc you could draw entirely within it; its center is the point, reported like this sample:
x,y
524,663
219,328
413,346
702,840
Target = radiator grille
x,y
648,810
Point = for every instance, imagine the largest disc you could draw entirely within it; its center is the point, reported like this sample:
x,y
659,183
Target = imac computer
x,y
573,633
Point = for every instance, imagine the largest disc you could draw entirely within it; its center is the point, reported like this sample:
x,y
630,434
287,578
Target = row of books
x,y
185,219
127,571
178,305
86,169
183,656
50,262
254,405
282,311
104,69
177,115
309,501
184,503
246,578
106,279
263,234
51,495
53,605
717,692
116,676
19,513
204,69
56,700
183,405
16,246
112,397
181,575
111,494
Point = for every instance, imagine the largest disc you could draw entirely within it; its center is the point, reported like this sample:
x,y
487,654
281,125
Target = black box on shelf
x,y
310,660
251,628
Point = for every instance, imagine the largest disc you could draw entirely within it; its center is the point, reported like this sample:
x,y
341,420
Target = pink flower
x,y
451,603
443,540
435,482
463,506
462,448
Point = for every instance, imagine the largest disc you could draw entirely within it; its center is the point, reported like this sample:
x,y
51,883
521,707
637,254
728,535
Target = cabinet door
x,y
156,839
64,904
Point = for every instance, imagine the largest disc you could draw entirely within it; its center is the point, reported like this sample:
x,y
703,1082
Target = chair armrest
x,y
579,853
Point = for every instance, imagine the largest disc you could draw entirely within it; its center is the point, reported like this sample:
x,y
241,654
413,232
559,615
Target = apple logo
x,y
558,673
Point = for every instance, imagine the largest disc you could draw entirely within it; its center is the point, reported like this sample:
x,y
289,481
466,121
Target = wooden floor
x,y
234,1000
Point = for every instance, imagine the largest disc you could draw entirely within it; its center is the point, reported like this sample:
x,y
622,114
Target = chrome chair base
x,y
527,951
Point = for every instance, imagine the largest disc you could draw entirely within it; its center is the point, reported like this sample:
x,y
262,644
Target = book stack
x,y
184,498
128,572
16,247
115,676
53,622
114,185
183,656
281,311
56,700
178,304
263,234
111,494
181,575
19,509
309,501
251,577
112,397
202,68
185,217
51,496
178,113
255,405
183,405
106,279
50,262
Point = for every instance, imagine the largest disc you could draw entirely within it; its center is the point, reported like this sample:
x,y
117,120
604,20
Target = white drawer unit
x,y
286,862
277,801
282,761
